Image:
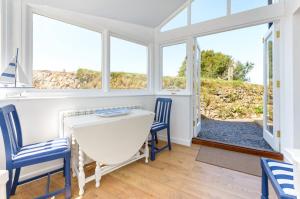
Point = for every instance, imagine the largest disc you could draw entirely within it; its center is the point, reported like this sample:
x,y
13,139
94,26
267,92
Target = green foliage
x,y
121,80
89,78
220,99
259,109
241,71
216,65
224,99
182,69
174,82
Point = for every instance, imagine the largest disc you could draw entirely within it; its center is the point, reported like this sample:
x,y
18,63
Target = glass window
x,y
174,66
203,10
269,100
128,64
178,21
243,5
65,56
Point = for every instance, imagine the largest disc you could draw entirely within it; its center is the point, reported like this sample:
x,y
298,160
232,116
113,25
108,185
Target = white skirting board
x,y
176,140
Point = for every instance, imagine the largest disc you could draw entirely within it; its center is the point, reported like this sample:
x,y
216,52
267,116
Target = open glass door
x,y
271,88
196,87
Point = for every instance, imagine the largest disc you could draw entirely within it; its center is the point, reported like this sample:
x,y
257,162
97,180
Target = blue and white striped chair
x,y
18,156
281,175
161,121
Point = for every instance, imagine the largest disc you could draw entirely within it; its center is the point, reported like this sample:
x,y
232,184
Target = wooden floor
x,y
173,174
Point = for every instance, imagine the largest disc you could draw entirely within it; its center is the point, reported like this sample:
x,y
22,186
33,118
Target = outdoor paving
x,y
242,133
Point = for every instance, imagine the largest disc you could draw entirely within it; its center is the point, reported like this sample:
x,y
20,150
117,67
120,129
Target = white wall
x,y
296,77
290,81
39,117
286,91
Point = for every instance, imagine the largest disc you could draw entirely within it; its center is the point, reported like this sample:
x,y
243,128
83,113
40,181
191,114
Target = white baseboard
x,y
176,140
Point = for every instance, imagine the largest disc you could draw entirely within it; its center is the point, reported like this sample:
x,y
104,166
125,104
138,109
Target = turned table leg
x,y
81,176
98,174
146,151
74,155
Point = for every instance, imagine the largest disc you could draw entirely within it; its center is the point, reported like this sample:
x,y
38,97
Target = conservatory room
x,y
149,99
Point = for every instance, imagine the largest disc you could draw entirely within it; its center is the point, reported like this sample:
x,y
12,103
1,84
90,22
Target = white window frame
x,y
187,90
173,15
188,5
149,68
27,52
70,23
3,34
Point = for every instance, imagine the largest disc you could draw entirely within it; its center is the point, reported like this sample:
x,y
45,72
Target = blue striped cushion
x,y
43,148
284,175
158,126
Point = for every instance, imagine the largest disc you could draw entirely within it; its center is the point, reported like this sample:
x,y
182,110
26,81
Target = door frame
x,y
272,138
196,61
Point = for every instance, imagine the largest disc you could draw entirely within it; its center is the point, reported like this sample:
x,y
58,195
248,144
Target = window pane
x,y
128,64
243,5
65,56
178,21
203,10
270,85
174,66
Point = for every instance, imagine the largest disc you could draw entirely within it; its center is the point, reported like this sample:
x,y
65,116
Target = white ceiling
x,y
148,13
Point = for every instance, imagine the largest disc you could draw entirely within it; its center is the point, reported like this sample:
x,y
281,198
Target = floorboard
x,y
174,174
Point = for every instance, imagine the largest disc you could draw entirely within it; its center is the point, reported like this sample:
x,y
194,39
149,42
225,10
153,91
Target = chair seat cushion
x,y
156,126
284,175
42,149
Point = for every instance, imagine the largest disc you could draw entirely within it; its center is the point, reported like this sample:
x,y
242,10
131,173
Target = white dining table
x,y
3,181
111,142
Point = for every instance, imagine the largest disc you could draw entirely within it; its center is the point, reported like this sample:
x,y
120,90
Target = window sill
x,y
173,93
36,94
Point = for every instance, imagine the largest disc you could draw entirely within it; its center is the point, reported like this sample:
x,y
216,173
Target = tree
x,y
242,70
182,69
216,65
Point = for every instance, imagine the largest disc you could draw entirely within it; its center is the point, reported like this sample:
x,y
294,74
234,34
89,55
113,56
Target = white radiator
x,y
76,112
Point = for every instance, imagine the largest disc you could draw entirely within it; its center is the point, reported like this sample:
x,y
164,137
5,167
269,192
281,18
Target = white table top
x,y
93,119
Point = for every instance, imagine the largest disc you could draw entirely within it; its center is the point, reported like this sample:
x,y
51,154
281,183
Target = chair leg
x,y
64,172
9,183
264,186
169,138
15,182
156,140
152,157
67,172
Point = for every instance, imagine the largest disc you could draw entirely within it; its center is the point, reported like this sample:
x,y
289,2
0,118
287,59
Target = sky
x,y
244,45
59,46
